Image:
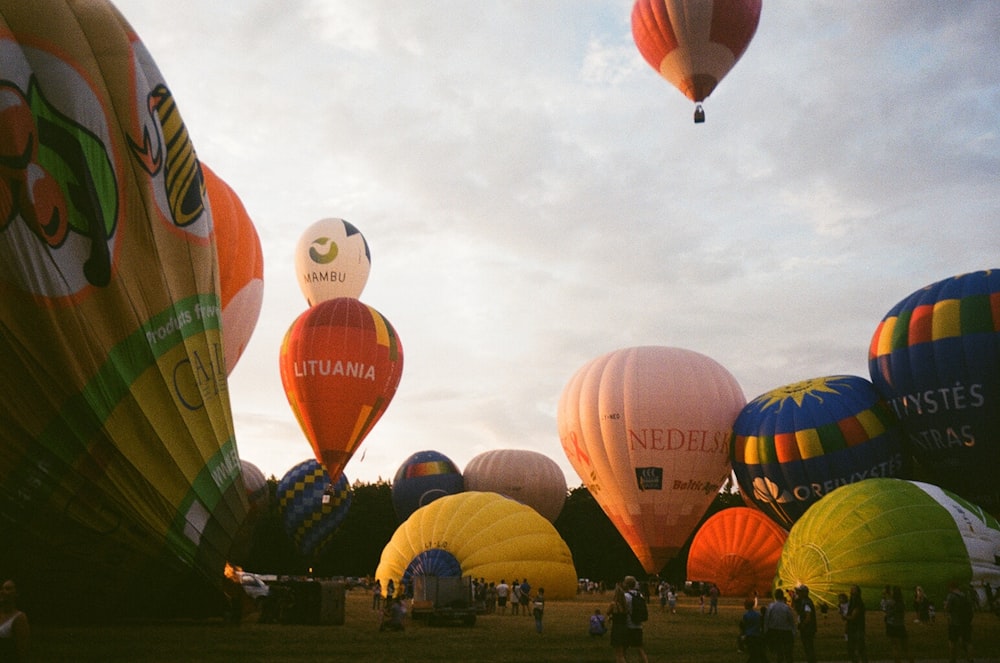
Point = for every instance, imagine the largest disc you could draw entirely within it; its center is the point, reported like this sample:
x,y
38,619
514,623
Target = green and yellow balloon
x,y
880,532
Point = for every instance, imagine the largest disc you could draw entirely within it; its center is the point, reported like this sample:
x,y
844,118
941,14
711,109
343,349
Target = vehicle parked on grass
x,y
443,600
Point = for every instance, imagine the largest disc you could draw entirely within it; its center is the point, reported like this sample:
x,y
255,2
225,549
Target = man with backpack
x,y
958,607
637,612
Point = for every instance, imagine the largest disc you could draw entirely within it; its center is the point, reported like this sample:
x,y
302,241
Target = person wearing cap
x,y
806,610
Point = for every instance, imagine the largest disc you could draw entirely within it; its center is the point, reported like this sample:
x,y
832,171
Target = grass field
x,y
679,638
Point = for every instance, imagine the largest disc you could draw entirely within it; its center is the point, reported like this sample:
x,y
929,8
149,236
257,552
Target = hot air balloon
x,y
647,429
422,478
936,358
794,444
256,485
527,476
483,535
312,507
341,362
259,499
118,465
694,43
882,532
241,267
737,549
332,260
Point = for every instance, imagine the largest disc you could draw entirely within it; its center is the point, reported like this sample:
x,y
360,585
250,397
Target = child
x,y
597,625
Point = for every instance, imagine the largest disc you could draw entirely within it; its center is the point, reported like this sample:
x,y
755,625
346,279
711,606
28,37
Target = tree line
x,y
599,551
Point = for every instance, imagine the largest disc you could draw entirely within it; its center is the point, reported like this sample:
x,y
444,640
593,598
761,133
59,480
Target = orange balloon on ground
x,y
647,429
241,266
340,362
738,549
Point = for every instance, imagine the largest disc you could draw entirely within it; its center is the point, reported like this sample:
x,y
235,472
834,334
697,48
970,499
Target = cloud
x,y
534,194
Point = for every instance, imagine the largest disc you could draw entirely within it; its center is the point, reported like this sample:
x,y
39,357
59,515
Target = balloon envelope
x,y
483,535
340,362
935,357
422,478
737,549
794,444
241,267
694,43
882,532
332,260
118,464
527,476
312,507
647,429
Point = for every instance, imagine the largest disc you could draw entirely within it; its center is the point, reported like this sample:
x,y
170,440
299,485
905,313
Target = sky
x,y
534,195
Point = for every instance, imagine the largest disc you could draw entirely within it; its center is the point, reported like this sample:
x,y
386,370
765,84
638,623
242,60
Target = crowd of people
x,y
772,628
768,630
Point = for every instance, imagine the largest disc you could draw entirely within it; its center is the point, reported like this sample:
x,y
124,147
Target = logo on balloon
x,y
56,176
325,257
649,478
766,490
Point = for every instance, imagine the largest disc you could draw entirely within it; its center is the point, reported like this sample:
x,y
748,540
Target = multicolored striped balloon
x,y
793,445
936,358
694,43
312,507
422,478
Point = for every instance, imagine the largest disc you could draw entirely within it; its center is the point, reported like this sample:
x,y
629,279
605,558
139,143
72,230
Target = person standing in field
x,y
633,627
854,620
752,631
538,608
779,628
806,610
525,596
958,607
895,624
503,591
619,629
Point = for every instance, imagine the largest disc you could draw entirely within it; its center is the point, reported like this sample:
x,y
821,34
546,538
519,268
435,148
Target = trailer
x,y
443,600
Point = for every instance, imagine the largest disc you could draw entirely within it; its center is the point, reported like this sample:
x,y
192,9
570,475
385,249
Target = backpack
x,y
959,608
639,612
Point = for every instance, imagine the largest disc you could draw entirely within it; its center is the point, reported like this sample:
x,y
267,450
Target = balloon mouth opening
x,y
432,562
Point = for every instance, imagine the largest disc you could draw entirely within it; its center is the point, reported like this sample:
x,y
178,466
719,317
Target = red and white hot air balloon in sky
x,y
694,43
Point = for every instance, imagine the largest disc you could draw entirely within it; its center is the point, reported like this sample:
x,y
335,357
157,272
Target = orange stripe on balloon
x,y
853,430
869,420
786,447
921,325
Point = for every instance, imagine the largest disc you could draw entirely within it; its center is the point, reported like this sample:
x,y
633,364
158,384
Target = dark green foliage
x,y
599,551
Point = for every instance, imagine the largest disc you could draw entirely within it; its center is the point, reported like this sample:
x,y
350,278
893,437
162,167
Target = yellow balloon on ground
x,y
483,535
